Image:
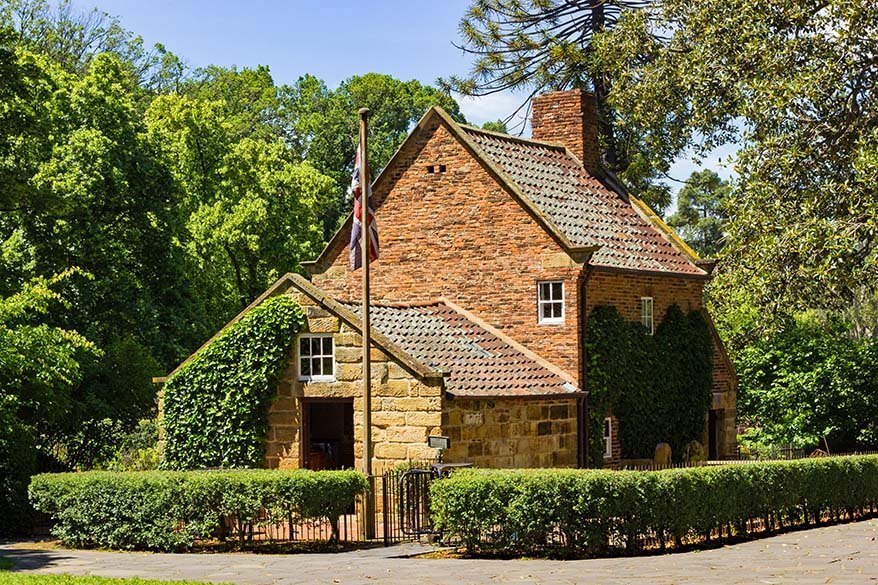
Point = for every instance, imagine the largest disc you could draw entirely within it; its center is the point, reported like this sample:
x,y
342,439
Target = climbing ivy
x,y
658,386
215,410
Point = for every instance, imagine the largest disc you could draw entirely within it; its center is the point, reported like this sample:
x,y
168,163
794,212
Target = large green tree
x,y
249,206
701,216
82,187
794,83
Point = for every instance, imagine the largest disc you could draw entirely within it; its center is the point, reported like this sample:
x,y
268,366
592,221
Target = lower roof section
x,y
478,362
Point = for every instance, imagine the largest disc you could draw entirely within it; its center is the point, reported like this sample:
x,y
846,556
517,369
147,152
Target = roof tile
x,y
479,363
583,208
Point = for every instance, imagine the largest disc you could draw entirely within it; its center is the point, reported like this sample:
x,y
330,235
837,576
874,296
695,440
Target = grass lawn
x,y
10,578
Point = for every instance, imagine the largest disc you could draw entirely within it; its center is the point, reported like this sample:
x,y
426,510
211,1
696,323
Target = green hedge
x,y
215,410
171,510
586,512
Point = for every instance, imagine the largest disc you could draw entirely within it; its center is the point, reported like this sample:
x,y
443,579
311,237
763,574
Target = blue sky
x,y
332,39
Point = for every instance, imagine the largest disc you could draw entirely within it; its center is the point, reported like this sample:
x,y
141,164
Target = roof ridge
x,y
501,135
395,304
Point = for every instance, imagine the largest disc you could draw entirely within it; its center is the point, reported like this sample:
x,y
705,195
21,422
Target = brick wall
x,y
511,432
458,234
405,410
569,118
624,290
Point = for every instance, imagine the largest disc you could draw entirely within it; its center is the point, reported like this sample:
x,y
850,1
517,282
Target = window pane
x,y
557,308
327,346
327,366
544,291
556,291
315,367
304,346
305,367
547,311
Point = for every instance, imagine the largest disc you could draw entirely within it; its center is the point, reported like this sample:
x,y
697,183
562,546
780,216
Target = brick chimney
x,y
569,118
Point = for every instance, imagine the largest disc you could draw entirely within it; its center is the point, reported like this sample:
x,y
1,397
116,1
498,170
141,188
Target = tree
x,y
40,365
71,38
250,208
322,124
809,383
84,189
540,45
796,87
701,215
496,126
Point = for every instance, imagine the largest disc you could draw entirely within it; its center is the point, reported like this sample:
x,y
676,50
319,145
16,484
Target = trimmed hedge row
x,y
171,510
587,512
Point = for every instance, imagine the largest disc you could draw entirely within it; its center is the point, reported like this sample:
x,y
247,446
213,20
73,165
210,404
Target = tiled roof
x,y
584,209
479,363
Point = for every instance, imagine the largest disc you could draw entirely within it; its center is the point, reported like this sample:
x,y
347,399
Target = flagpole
x,y
365,249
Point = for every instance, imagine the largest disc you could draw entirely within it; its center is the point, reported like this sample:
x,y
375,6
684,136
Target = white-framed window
x,y
316,357
646,314
608,438
550,302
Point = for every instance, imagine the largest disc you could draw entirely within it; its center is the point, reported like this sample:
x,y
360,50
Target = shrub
x,y
171,510
580,512
216,407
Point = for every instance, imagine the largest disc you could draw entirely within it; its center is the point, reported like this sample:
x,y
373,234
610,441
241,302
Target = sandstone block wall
x,y
511,432
405,410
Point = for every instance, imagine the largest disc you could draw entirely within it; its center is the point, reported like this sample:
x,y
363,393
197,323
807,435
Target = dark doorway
x,y
328,434
712,435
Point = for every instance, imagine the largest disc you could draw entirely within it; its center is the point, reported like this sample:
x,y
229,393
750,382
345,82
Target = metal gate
x,y
405,503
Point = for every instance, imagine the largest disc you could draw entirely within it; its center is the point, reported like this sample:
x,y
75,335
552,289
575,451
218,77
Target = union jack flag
x,y
357,228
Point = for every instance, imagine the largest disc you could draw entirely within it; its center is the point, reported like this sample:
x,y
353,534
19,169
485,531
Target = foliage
x,y
252,207
496,126
167,511
321,125
138,450
17,464
39,366
659,387
700,217
216,406
809,383
539,45
519,512
794,84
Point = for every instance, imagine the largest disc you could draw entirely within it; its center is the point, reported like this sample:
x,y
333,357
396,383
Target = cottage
x,y
495,249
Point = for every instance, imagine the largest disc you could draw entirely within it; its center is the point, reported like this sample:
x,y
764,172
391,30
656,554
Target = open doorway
x,y
328,433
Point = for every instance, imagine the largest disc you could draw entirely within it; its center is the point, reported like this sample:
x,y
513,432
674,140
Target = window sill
x,y
561,322
321,379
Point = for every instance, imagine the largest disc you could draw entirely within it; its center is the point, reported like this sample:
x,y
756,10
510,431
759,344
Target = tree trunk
x,y
602,84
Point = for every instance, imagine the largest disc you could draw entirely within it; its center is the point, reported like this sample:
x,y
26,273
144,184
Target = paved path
x,y
835,554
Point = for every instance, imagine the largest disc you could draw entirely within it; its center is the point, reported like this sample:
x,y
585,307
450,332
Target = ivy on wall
x,y
215,410
658,386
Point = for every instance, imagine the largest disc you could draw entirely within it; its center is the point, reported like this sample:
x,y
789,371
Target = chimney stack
x,y
569,118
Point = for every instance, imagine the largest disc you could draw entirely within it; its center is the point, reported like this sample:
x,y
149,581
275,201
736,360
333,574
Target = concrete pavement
x,y
845,553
